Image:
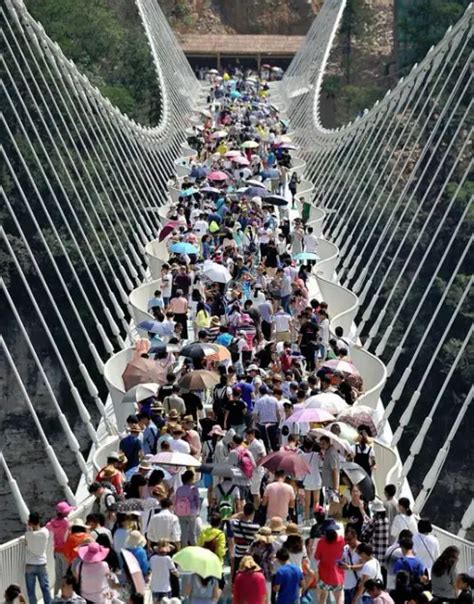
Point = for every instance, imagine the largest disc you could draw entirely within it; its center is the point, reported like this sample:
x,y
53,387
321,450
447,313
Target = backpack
x,y
246,463
182,506
226,503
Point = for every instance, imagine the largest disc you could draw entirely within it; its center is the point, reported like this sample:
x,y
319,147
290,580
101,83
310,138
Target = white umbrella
x,y
327,400
174,458
216,272
339,443
219,134
252,182
205,112
141,392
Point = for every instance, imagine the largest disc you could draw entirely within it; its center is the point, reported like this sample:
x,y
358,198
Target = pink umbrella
x,y
242,161
217,175
233,153
343,366
329,401
311,415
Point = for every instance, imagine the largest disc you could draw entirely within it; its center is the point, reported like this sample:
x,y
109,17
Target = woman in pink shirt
x,y
328,553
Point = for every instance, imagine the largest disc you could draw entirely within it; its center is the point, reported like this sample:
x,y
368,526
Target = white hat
x,y
378,506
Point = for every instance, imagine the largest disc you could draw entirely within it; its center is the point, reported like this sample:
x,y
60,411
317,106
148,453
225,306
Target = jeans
x,y
349,595
285,303
239,430
33,571
366,600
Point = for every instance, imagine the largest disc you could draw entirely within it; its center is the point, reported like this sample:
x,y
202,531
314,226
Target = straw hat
x,y
292,529
215,321
173,415
187,419
79,522
93,552
159,491
135,539
145,465
264,534
276,525
248,563
217,431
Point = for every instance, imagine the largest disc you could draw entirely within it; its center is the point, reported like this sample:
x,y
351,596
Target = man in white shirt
x,y
426,545
282,324
164,525
310,241
257,448
166,284
267,414
201,226
177,443
37,539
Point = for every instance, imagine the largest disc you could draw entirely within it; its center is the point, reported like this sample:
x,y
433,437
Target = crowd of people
x,y
246,473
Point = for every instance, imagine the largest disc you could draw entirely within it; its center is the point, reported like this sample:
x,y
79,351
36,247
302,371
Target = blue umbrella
x,y
256,192
235,94
211,190
189,192
183,248
269,174
306,256
151,326
198,172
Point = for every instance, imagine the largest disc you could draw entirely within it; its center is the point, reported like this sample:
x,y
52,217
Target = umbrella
x,y
133,571
302,256
199,560
183,248
242,161
327,400
256,192
198,172
151,326
199,380
138,505
232,153
213,71
292,463
141,371
288,146
219,134
140,392
252,182
205,112
276,200
221,469
212,190
188,192
174,458
216,272
357,475
311,415
277,69
272,173
250,145
338,442
221,353
235,94
167,229
347,432
196,350
358,420
217,175
164,347
266,66
342,366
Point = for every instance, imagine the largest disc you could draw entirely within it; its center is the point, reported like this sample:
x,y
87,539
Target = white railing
x,y
139,298
344,303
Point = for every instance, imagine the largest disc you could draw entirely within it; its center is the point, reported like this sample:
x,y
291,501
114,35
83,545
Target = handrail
x,y
344,303
139,298
329,254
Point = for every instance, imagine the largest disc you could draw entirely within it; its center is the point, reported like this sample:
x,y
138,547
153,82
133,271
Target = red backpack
x,y
246,463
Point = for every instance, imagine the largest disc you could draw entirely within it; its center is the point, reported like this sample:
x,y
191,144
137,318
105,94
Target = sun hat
x,y
378,506
144,465
215,321
177,430
114,456
264,534
63,507
135,539
253,368
292,529
159,490
276,525
79,522
93,552
248,563
217,431
173,414
188,419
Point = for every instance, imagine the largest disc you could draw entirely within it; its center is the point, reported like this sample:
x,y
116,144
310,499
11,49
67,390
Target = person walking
x,y
36,538
59,529
186,506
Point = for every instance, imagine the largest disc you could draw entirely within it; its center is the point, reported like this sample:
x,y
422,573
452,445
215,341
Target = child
x,y
161,566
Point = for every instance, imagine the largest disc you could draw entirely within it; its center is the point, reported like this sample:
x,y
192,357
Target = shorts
x,y
283,336
256,480
325,587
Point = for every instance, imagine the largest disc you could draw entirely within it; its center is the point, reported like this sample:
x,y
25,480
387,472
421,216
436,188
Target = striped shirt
x,y
244,533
